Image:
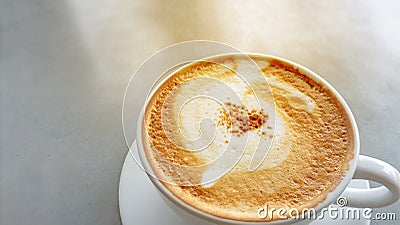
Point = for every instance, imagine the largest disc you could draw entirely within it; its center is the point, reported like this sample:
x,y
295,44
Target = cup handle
x,y
369,168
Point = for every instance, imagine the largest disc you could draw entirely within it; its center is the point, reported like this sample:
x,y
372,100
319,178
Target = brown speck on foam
x,y
239,119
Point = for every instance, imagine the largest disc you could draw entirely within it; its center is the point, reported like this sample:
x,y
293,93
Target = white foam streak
x,y
307,101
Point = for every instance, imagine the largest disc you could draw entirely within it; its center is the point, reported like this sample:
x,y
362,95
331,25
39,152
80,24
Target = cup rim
x,y
331,196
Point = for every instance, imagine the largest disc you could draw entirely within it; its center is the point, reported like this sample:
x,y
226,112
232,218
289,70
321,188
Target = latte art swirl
x,y
227,135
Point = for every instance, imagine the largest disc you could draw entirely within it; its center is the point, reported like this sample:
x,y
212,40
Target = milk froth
x,y
202,160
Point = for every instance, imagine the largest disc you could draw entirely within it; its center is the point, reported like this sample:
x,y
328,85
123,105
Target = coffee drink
x,y
227,139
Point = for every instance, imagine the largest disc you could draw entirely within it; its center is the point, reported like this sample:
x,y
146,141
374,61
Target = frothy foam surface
x,y
246,138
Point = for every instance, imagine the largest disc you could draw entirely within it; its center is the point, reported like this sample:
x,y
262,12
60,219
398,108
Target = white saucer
x,y
140,203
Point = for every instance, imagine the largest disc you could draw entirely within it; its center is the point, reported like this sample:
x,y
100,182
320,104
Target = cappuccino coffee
x,y
227,142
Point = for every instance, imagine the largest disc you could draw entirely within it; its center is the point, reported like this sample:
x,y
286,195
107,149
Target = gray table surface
x,y
64,66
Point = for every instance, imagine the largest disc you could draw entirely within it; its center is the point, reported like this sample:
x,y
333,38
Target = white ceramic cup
x,y
361,167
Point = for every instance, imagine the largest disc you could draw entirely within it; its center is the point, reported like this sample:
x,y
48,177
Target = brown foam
x,y
240,119
322,143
